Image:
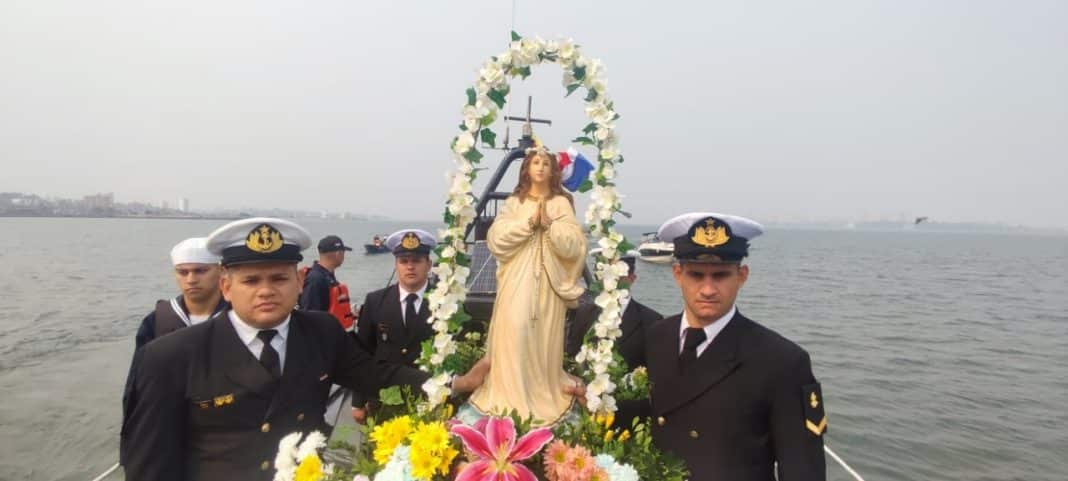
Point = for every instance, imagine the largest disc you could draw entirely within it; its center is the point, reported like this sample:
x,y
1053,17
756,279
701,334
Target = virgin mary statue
x,y
540,250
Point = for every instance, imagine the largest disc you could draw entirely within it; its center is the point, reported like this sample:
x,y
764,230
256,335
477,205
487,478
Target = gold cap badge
x,y
264,239
410,241
709,235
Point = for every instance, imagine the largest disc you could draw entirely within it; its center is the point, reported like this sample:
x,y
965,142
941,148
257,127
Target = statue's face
x,y
262,294
540,170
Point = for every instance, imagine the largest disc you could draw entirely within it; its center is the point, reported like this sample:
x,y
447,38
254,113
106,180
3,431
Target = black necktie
x,y
409,309
269,357
694,337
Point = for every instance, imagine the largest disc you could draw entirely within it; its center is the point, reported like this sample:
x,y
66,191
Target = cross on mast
x,y
528,132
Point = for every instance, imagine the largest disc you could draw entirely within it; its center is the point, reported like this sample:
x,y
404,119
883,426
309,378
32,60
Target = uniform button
x,y
404,350
265,466
266,427
694,434
660,420
300,417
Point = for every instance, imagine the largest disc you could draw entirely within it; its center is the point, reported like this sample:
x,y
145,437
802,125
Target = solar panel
x,y
483,278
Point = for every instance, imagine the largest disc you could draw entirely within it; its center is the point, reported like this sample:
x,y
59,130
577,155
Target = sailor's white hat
x,y
193,251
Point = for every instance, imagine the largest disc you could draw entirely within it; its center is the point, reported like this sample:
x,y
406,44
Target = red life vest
x,y
340,307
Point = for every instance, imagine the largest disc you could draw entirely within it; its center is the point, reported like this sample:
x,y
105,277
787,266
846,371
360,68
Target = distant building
x,y
166,205
99,201
183,204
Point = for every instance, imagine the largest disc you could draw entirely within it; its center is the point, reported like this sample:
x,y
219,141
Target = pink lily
x,y
500,455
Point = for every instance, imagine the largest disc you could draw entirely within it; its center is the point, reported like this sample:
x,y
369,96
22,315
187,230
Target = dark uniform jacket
x,y
315,296
750,401
161,321
208,410
382,331
637,319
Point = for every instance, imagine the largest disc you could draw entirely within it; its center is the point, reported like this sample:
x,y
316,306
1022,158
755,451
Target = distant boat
x,y
919,220
654,250
377,245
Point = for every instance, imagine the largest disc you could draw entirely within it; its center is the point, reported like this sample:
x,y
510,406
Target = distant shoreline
x,y
165,217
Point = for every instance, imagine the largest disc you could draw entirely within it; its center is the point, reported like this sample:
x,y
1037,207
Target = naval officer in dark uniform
x,y
730,397
216,398
392,323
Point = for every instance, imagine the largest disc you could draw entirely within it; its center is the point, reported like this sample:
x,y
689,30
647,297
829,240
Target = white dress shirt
x,y
711,330
254,344
418,300
623,303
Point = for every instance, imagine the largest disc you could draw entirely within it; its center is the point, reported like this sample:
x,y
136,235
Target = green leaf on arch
x,y
497,97
471,96
583,140
579,73
515,36
488,137
586,186
473,155
571,89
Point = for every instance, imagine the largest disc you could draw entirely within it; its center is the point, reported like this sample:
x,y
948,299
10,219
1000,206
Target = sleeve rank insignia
x,y
221,401
812,401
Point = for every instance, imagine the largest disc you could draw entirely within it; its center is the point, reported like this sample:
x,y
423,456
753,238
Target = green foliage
x,y
591,95
515,36
497,97
571,89
469,350
633,446
583,140
579,73
586,186
590,128
634,385
523,72
471,96
488,137
473,155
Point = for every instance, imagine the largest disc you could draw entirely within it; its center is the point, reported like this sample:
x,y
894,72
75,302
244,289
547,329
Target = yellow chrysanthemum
x,y
424,464
608,435
625,435
430,450
430,436
310,469
388,435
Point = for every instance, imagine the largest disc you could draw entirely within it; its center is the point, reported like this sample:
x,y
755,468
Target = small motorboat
x,y
376,246
654,250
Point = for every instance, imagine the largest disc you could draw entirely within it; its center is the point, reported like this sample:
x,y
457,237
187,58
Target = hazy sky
x,y
847,109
